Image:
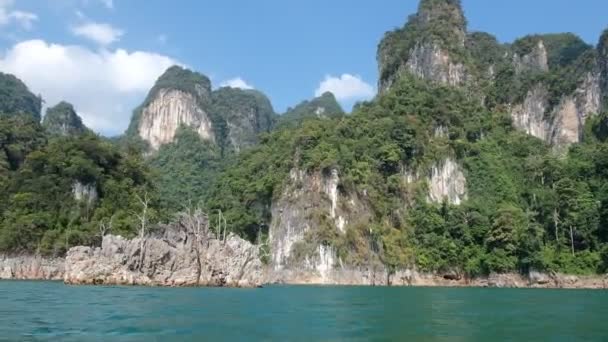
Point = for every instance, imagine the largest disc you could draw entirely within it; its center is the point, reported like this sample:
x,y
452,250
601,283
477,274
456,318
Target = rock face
x,y
247,113
63,120
563,125
85,193
425,46
447,183
229,117
31,268
173,259
311,203
535,61
169,110
431,62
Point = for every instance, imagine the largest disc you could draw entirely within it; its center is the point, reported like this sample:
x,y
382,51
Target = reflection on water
x,y
51,311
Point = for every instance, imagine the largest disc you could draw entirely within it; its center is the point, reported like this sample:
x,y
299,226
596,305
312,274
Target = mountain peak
x,y
179,78
431,45
17,99
63,120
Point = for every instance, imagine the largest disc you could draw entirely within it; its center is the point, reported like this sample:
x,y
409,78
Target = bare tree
x,y
105,228
195,222
143,223
222,226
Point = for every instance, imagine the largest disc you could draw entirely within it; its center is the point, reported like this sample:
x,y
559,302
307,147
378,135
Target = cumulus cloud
x,y
236,83
8,15
346,88
104,85
102,34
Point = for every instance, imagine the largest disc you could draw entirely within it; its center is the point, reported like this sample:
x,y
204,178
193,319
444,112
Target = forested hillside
x,y
476,157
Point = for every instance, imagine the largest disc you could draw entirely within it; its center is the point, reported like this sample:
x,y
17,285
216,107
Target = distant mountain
x,y
230,118
63,120
324,106
17,99
550,84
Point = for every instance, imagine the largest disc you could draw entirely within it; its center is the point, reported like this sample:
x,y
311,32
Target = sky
x,y
104,55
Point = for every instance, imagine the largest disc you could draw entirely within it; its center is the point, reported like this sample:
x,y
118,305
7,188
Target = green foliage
x,y
241,108
186,169
63,120
39,209
16,99
517,188
324,106
437,21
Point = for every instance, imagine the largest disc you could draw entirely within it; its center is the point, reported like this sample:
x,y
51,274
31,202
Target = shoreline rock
x,y
31,267
236,264
174,259
410,278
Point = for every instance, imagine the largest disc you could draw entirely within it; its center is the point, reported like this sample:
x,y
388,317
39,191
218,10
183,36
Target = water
x,y
49,311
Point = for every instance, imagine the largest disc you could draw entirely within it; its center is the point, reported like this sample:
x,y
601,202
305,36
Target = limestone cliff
x,y
535,60
230,118
309,210
247,113
430,46
550,83
447,183
563,124
167,112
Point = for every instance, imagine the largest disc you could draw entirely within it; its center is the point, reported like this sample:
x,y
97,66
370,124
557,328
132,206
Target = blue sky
x,y
103,55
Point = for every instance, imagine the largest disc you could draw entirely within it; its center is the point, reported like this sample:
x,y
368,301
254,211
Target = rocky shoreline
x,y
235,263
28,267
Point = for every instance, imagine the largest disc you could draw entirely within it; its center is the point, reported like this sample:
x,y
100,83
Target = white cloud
x,y
236,83
346,88
102,34
104,86
8,15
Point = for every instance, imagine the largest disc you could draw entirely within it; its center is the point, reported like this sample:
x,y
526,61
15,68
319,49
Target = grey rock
x,y
31,268
174,259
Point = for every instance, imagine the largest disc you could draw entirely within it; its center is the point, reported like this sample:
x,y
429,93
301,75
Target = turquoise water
x,y
48,311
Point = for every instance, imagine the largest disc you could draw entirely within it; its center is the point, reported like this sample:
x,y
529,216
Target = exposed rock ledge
x,y
227,264
31,268
379,277
175,259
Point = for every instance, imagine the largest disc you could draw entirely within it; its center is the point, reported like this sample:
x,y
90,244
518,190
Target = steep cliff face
x,y
431,62
169,110
447,183
247,113
63,120
311,208
445,180
430,46
563,124
602,49
228,117
533,61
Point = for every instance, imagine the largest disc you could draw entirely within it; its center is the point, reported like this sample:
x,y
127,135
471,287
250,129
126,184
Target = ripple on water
x,y
51,311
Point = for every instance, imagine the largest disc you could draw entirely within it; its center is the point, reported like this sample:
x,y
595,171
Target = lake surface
x,y
51,311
